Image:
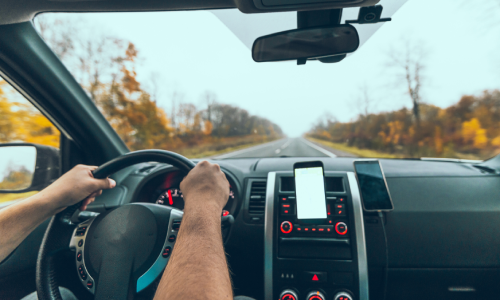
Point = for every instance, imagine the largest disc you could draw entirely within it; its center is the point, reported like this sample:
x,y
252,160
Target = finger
x,y
104,184
94,194
85,203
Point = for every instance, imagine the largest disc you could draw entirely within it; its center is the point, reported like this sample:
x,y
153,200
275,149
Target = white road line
x,y
324,151
231,154
286,144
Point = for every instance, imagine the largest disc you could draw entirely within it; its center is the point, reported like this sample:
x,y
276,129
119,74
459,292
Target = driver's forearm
x,y
18,220
198,267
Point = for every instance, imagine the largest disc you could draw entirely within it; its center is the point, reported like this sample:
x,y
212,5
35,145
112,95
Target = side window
x,y
20,122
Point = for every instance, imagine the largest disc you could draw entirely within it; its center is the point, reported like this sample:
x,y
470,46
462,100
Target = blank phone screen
x,y
372,185
310,193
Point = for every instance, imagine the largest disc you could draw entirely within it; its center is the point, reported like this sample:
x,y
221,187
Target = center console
x,y
321,261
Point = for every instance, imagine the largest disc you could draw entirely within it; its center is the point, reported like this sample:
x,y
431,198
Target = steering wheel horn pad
x,y
123,245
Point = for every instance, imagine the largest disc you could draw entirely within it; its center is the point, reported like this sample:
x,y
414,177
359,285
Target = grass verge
x,y
354,150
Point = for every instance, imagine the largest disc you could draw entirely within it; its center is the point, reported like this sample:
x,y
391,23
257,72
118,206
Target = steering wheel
x,y
119,252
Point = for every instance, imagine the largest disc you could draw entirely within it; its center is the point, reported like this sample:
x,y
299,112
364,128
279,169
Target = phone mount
x,y
369,15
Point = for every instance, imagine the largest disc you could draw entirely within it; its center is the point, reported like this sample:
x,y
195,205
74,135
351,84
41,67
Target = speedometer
x,y
173,197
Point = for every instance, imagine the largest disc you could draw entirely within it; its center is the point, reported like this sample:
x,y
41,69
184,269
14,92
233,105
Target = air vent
x,y
257,201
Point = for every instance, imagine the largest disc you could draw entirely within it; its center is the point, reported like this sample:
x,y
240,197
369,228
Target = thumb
x,y
104,184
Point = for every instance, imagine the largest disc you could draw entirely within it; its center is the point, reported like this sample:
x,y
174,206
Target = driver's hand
x,y
205,187
76,185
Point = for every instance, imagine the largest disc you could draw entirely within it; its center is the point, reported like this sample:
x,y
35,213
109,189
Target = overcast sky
x,y
192,52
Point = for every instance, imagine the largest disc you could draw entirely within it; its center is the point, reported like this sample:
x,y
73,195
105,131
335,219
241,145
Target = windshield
x,y
423,85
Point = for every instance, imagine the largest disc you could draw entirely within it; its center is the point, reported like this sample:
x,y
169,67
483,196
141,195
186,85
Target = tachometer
x,y
173,197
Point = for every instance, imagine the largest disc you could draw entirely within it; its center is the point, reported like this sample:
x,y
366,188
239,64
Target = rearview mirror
x,y
27,167
306,43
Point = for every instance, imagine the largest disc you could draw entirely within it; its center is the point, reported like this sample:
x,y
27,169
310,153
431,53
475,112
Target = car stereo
x,y
320,258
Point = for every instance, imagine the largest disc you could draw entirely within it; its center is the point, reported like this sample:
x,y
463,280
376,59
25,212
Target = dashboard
x,y
443,240
442,237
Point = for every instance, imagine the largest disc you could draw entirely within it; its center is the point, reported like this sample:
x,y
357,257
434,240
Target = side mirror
x,y
307,43
27,167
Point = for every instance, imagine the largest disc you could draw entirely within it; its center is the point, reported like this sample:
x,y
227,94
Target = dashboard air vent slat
x,y
257,201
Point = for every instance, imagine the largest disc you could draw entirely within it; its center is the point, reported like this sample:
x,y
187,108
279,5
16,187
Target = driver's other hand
x,y
76,185
205,187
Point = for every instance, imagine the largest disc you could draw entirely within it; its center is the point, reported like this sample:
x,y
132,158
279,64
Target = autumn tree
x,y
409,64
105,67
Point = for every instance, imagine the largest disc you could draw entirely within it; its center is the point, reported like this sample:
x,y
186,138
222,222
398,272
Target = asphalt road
x,y
298,147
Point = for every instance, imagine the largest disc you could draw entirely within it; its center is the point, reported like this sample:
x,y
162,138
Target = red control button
x,y
287,209
341,228
325,228
340,209
286,227
314,277
166,252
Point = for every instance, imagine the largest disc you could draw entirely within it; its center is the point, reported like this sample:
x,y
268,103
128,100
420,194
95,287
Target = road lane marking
x,y
324,151
286,144
231,154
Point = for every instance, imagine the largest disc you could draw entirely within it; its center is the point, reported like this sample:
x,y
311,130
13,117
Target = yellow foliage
x,y
472,132
496,141
481,140
395,130
20,122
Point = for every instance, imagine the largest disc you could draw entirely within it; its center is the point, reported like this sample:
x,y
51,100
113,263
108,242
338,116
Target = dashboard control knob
x,y
315,295
288,295
343,296
286,227
341,228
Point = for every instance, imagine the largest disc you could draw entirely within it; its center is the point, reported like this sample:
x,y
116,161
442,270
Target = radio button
x,y
286,209
286,227
341,228
340,210
325,228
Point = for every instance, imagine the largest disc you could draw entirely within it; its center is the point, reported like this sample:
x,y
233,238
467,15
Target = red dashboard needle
x,y
170,201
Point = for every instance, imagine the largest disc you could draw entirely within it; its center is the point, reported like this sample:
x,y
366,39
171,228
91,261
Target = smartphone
x,y
310,190
375,194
